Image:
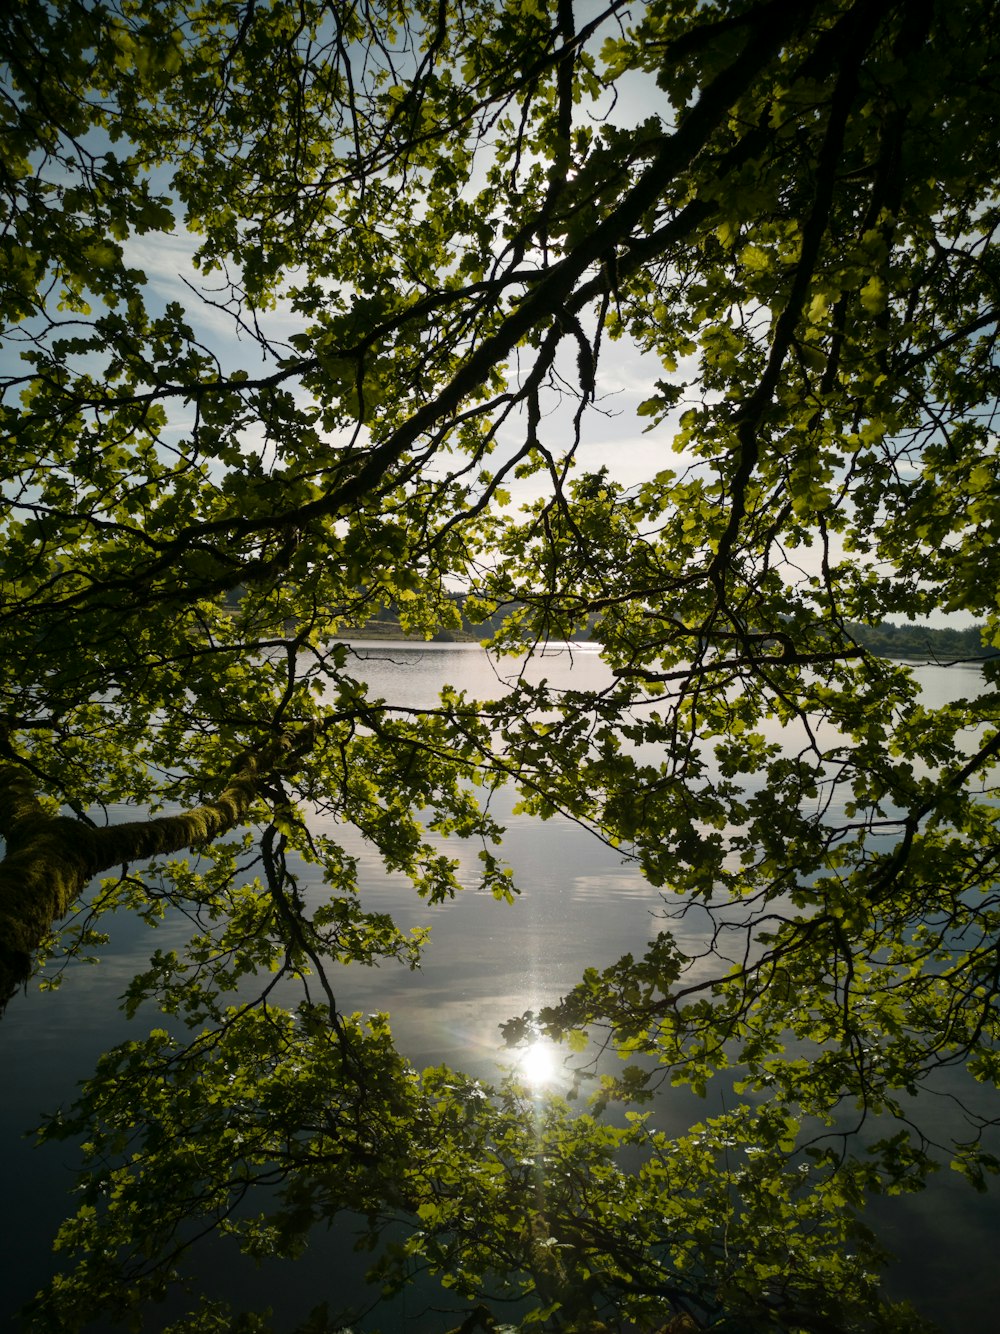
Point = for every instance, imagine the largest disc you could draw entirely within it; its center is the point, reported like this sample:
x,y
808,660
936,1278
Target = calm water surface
x,y
579,904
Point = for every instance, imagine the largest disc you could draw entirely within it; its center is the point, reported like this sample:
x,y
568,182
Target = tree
x,y
426,227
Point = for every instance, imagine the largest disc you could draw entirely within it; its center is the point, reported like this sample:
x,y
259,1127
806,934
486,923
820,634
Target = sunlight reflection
x,y
538,1064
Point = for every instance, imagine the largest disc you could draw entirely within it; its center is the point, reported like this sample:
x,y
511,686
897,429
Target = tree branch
x,y
50,858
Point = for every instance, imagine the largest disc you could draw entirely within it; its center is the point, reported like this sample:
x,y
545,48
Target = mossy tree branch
x,y
50,858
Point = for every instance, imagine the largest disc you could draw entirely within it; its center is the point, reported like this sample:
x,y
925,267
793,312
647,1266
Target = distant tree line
x,y
887,639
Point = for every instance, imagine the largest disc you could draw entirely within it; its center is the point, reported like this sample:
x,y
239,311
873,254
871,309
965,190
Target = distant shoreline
x,y
887,640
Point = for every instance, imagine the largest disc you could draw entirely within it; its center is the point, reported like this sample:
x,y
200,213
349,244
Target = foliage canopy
x,y
433,227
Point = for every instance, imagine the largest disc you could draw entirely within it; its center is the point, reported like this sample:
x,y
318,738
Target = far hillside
x,y
889,640
939,643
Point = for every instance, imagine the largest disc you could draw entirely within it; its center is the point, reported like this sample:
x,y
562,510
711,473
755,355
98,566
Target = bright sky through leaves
x,y
431,260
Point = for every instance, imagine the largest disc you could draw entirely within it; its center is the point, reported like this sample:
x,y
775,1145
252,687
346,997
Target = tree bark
x,y
50,858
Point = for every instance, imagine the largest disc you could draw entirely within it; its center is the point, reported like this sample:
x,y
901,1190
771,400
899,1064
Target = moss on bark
x,y
50,858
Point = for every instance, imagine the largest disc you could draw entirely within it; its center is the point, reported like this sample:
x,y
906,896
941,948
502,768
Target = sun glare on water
x,y
537,1064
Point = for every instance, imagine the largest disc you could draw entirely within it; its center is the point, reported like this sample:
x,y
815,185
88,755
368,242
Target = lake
x,y
580,904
